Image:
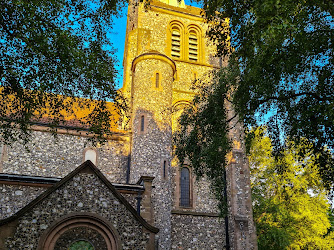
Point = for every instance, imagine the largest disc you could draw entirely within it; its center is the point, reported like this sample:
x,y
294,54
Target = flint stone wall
x,y
83,193
57,157
197,232
13,198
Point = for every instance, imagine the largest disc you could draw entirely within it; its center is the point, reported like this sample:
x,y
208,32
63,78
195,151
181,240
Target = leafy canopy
x,y
49,51
283,50
290,206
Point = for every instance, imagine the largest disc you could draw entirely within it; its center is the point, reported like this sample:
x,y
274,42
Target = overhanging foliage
x,y
52,51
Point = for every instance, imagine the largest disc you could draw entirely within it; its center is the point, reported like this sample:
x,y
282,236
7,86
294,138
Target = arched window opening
x,y
157,80
91,155
176,43
193,46
80,231
185,188
142,123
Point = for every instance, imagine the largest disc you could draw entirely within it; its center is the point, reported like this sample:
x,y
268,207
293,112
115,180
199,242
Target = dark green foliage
x,y
203,138
284,49
51,50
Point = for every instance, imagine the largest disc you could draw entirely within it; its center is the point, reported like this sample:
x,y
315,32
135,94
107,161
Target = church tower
x,y
165,51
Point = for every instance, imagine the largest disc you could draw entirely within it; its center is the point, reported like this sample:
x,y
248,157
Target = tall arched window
x,y
193,46
176,42
185,187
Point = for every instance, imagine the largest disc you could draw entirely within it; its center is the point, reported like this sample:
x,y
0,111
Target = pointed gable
x,y
84,195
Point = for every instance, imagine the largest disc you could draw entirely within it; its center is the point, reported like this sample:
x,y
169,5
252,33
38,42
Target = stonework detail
x,y
13,198
158,86
84,234
197,232
84,193
57,157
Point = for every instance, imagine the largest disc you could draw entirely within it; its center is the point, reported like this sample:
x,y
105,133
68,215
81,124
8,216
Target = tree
x,y
281,71
291,210
203,135
55,58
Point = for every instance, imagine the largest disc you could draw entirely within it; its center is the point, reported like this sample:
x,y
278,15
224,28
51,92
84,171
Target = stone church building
x,y
128,193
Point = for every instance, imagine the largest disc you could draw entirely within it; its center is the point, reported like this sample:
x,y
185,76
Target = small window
x,y
193,46
176,43
157,80
164,170
185,188
142,123
91,155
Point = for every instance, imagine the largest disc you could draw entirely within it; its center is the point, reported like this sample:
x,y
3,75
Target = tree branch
x,y
291,96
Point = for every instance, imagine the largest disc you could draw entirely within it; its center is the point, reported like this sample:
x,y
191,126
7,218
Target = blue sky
x,y
117,37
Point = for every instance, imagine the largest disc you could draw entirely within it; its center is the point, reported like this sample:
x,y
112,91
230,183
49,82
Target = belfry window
x,y
185,187
176,43
193,46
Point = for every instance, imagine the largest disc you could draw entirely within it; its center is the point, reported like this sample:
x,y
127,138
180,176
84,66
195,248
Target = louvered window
x,y
193,46
185,188
176,43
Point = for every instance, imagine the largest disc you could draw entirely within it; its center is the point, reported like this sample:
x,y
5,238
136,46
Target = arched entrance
x,y
80,231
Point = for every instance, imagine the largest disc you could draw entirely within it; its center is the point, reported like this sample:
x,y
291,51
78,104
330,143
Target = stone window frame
x,y
184,41
192,195
154,81
193,50
173,25
200,51
89,220
139,125
96,152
